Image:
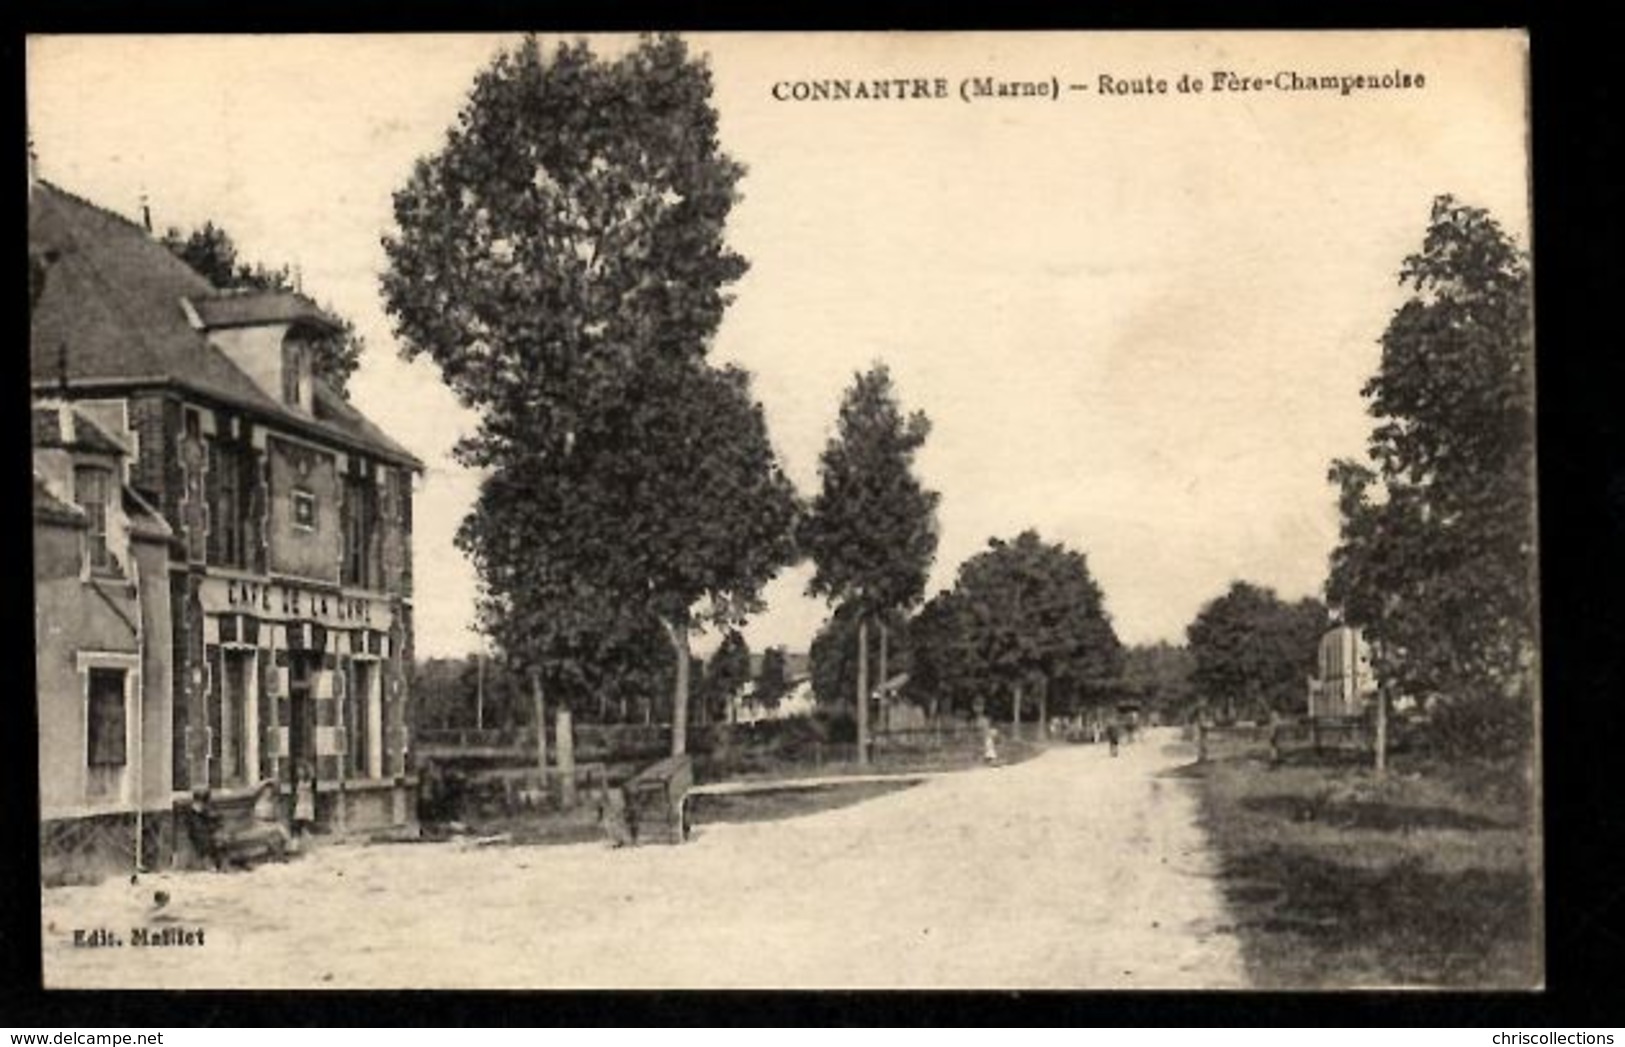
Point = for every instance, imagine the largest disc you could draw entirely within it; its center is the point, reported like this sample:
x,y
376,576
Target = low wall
x,y
90,849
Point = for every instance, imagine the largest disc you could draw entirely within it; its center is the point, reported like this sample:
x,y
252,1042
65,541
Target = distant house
x,y
289,584
102,652
1344,682
797,699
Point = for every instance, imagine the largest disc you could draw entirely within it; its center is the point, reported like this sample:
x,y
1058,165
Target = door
x,y
301,714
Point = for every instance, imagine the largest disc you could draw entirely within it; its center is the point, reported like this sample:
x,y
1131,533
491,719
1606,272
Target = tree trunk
x,y
564,741
1015,713
1043,709
885,698
863,691
539,703
679,695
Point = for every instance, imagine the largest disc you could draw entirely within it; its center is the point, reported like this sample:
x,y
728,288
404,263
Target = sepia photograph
x,y
785,511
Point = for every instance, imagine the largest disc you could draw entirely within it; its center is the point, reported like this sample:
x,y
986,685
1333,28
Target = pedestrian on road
x,y
990,749
1111,736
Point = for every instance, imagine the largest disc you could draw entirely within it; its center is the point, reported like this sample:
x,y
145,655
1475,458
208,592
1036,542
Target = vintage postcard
x,y
800,511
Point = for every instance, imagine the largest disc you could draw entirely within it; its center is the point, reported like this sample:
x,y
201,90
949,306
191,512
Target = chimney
x,y
146,214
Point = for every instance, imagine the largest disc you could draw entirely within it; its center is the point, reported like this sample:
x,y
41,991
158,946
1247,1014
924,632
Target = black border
x,y
1575,133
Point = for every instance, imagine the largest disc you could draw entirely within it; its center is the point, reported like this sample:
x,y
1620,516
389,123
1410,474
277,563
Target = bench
x,y
656,801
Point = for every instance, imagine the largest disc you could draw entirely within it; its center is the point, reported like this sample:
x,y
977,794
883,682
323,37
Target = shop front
x,y
301,681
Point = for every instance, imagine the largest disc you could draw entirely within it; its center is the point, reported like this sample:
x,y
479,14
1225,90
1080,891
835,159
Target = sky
x,y
1139,323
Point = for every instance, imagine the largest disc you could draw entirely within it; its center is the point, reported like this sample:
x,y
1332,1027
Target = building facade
x,y
289,583
1345,682
102,653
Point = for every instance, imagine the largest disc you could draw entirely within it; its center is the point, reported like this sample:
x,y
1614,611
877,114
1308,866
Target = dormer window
x,y
91,485
293,374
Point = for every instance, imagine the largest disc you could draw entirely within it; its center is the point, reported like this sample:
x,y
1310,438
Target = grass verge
x,y
1338,879
771,805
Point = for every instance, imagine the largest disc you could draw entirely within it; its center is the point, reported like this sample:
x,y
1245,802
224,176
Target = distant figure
x,y
267,830
203,828
304,803
1111,736
990,749
616,819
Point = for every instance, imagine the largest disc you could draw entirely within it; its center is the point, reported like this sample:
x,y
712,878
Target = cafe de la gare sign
x,y
289,601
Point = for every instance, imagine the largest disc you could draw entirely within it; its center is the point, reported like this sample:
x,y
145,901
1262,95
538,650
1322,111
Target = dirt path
x,y
1071,870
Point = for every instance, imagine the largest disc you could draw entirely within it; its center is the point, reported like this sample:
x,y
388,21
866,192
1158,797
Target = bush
x,y
838,728
1490,727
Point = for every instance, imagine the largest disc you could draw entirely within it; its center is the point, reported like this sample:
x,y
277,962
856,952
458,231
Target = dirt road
x,y
1072,870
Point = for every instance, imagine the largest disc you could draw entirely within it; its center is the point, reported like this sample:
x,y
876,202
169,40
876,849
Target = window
x,y
229,512
304,509
90,489
237,720
106,727
360,530
291,364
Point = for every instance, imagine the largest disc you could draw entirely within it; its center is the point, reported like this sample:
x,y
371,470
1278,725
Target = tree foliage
x,y
1436,560
872,530
570,229
944,674
561,260
1253,651
210,252
1023,614
1159,676
833,657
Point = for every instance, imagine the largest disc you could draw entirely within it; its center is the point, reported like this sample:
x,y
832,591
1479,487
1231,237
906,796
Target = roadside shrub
x,y
1490,727
838,728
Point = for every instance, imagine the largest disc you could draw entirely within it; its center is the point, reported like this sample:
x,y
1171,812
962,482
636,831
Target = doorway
x,y
301,712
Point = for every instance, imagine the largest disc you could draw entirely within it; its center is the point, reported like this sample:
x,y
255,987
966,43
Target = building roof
x,y
252,308
144,520
48,506
74,429
111,315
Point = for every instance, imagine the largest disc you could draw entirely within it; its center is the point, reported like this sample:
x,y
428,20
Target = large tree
x,y
1159,676
570,228
1437,556
872,530
944,674
1034,620
562,260
1252,650
670,508
210,252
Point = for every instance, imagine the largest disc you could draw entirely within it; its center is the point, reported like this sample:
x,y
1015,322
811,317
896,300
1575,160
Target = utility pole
x,y
479,691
